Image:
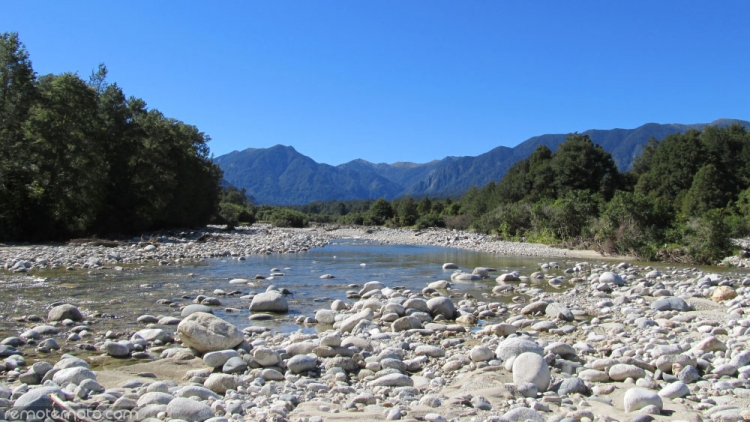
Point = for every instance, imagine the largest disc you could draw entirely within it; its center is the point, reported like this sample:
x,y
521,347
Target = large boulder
x,y
531,367
271,301
66,311
152,334
514,346
73,375
441,306
672,303
34,400
189,410
207,333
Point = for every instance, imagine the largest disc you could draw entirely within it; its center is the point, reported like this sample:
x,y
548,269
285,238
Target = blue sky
x,y
395,81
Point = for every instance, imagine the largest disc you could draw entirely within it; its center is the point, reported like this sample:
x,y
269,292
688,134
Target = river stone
x,y
189,410
558,310
665,362
73,375
153,334
638,398
196,391
117,350
65,311
450,266
168,320
269,301
429,350
220,383
154,397
207,333
612,278
370,286
593,375
675,389
406,323
416,304
441,306
325,316
671,303
723,293
302,363
622,371
234,365
531,367
392,380
513,347
191,309
688,374
36,399
265,356
500,330
571,386
351,322
710,344
522,414
219,358
481,353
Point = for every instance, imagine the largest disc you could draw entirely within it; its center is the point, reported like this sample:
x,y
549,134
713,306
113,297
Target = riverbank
x,y
607,342
170,248
594,340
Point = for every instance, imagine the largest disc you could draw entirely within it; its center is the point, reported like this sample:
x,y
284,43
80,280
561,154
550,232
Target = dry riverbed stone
x,y
62,312
207,333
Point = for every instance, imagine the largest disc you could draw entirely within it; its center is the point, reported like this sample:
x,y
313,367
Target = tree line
x,y
683,200
78,157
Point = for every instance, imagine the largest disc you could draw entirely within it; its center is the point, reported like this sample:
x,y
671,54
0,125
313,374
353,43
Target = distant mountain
x,y
281,175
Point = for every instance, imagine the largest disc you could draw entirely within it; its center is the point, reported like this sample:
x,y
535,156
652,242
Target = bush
x,y
461,222
707,239
430,220
284,217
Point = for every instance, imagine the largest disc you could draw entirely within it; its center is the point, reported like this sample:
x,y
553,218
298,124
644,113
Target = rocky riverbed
x,y
612,341
170,248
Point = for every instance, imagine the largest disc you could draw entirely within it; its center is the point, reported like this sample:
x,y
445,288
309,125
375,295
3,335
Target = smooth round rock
x,y
513,347
207,333
638,398
189,410
531,367
270,301
441,306
301,363
674,390
65,311
191,309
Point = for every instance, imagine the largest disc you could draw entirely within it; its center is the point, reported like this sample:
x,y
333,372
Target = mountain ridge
x,y
280,175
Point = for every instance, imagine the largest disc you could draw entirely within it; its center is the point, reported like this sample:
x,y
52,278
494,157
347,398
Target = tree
x,y
707,192
578,164
17,95
380,212
407,211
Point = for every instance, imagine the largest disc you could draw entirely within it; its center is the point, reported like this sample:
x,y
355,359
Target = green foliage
x,y
408,211
707,192
78,158
235,208
707,239
380,212
283,217
430,220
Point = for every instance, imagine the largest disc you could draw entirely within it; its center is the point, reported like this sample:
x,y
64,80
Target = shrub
x,y
284,217
430,220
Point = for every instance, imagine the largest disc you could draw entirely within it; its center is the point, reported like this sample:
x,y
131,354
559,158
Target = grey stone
x,y
638,398
302,363
441,306
513,347
207,333
191,309
671,303
675,389
270,301
189,410
531,367
62,312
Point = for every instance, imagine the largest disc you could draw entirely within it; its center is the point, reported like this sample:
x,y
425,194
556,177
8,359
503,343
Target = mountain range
x,y
282,176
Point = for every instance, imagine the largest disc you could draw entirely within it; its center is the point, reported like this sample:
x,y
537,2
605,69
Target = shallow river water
x,y
125,295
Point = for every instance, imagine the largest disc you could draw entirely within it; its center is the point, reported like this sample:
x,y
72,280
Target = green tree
x,y
578,164
707,192
380,212
407,211
18,94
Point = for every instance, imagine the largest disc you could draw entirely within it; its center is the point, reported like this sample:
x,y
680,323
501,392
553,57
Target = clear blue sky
x,y
395,81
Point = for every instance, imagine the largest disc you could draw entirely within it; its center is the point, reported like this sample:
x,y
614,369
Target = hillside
x,y
281,175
